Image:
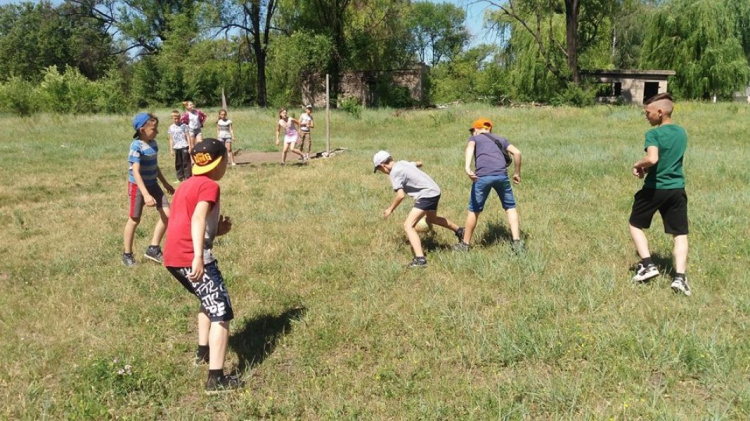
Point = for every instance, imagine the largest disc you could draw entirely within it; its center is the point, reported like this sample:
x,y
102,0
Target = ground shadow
x,y
495,233
258,337
430,242
662,262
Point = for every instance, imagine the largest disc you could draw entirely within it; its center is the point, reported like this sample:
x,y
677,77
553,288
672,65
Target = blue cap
x,y
139,120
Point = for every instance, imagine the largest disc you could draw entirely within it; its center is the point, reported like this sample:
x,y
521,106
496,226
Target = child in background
x,y
305,124
143,187
196,221
194,119
407,178
287,124
225,133
180,147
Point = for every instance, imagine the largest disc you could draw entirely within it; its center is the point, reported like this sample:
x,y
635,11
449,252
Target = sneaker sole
x,y
645,278
154,259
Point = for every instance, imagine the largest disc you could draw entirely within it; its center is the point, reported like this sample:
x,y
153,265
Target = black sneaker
x,y
222,384
128,259
154,253
418,262
201,358
461,246
460,234
517,246
681,285
644,273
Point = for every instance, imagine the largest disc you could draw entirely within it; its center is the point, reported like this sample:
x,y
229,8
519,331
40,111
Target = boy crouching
x,y
407,179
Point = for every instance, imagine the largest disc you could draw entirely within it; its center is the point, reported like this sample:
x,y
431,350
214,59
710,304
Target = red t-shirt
x,y
178,248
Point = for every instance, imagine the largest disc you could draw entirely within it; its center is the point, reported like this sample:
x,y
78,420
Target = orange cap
x,y
481,123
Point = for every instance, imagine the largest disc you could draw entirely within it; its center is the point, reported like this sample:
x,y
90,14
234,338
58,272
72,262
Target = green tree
x,y
437,30
698,39
583,28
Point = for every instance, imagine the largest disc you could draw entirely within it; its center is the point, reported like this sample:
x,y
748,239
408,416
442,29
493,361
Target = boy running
x,y
663,190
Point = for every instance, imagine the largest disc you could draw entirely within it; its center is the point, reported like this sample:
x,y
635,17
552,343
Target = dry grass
x,y
329,322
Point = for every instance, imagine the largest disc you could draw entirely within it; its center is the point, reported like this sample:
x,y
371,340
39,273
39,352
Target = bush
x,y
578,96
19,97
352,106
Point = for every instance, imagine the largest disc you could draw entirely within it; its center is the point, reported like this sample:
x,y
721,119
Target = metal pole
x,y
328,117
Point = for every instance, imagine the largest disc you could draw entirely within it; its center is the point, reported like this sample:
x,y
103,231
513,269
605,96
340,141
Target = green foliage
x,y
437,30
698,40
292,58
576,95
351,106
471,76
18,96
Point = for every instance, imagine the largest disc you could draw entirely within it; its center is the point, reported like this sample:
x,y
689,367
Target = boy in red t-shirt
x,y
195,222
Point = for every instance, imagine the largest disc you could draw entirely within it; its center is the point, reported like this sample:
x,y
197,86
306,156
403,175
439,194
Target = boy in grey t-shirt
x,y
408,179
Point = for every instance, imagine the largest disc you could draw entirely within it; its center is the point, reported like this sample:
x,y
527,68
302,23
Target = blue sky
x,y
474,19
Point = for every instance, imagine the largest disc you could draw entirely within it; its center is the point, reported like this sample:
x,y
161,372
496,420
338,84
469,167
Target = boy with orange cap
x,y
491,156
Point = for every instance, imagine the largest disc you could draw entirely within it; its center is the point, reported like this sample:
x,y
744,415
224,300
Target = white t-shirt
x,y
304,120
194,120
224,132
179,136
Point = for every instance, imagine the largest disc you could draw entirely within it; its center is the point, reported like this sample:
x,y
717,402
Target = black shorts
x,y
427,203
671,204
210,290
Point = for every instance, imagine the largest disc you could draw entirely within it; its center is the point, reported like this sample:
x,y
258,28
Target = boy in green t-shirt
x,y
663,190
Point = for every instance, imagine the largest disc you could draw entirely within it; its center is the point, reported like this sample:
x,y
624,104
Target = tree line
x,y
84,56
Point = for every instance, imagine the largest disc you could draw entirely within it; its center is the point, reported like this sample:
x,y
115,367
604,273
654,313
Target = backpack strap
x,y
503,150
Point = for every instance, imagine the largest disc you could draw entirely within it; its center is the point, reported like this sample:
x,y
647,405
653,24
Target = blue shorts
x,y
210,291
480,191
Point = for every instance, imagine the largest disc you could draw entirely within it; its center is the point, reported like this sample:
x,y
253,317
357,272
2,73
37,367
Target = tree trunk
x,y
572,9
260,57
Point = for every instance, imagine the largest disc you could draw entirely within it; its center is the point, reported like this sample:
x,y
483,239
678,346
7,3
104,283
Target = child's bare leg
x,y
161,226
198,138
411,220
218,338
204,326
640,241
471,224
284,151
680,253
515,231
129,234
433,218
229,152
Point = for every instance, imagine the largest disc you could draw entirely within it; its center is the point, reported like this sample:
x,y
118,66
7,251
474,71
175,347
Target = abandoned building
x,y
363,85
629,86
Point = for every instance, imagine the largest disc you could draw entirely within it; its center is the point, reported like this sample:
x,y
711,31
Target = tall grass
x,y
329,322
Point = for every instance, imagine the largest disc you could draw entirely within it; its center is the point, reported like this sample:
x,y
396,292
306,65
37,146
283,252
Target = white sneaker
x,y
681,285
644,273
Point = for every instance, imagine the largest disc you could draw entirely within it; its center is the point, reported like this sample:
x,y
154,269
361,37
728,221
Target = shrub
x,y
352,106
19,97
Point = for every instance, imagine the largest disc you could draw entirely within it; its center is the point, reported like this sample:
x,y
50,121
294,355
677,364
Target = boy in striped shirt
x,y
143,187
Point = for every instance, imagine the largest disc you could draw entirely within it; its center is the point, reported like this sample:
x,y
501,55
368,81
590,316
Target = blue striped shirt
x,y
145,154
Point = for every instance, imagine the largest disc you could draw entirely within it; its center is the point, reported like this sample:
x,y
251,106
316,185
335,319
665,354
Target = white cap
x,y
379,158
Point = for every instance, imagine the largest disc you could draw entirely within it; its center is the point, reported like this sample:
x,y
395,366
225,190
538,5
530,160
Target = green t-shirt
x,y
671,140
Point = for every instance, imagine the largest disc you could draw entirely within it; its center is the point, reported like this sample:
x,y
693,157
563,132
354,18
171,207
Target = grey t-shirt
x,y
488,159
405,175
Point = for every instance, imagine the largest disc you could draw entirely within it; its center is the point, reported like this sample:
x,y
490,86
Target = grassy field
x,y
329,322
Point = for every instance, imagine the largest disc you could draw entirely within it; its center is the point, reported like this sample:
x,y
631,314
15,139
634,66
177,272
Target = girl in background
x,y
225,133
194,119
289,125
